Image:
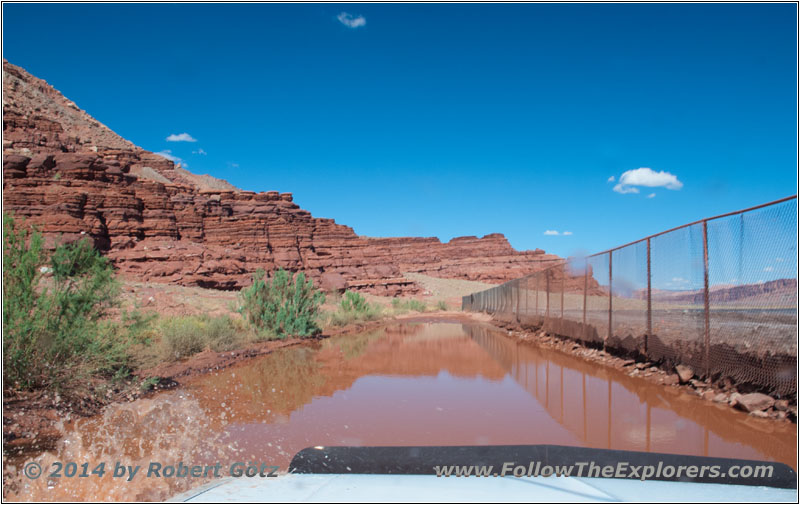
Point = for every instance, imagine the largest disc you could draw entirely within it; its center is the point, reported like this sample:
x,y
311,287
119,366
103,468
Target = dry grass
x,y
175,300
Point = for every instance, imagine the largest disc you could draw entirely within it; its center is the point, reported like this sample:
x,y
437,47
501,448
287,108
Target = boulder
x,y
753,402
670,380
721,398
685,373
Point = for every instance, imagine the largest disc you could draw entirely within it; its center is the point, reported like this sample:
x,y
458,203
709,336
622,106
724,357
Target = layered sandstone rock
x,y
73,177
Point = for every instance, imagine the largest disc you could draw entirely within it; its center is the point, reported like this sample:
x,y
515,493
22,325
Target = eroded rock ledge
x,y
73,177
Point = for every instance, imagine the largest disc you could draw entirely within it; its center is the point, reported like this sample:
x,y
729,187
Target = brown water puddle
x,y
406,384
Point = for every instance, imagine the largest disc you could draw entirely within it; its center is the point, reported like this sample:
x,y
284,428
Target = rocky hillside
x,y
777,293
73,177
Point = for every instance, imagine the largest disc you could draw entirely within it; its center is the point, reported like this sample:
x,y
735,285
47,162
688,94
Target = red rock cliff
x,y
74,177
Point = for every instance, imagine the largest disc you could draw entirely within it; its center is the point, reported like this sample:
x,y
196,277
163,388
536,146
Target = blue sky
x,y
447,120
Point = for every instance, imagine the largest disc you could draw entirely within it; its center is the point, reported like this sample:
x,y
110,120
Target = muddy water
x,y
408,384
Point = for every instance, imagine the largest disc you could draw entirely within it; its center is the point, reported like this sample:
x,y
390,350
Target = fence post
x,y
610,298
585,290
649,304
547,295
511,299
705,298
563,285
526,294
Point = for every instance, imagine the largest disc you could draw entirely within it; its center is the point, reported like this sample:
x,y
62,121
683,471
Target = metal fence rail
x,y
718,295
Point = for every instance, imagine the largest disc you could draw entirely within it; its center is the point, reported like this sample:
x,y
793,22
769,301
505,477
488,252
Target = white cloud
x,y
200,151
619,188
181,137
166,153
612,179
779,260
646,177
768,269
567,233
551,232
651,195
351,21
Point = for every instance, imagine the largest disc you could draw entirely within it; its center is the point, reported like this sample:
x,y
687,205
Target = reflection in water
x,y
605,408
406,384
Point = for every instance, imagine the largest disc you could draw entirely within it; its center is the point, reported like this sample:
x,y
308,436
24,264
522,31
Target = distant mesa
x,y
73,177
780,292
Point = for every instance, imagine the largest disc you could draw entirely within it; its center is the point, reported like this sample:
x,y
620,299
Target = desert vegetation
x,y
64,322
353,308
64,327
285,304
402,306
55,330
164,339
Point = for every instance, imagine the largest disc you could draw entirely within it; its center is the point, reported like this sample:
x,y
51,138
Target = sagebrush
x,y
354,308
400,306
285,304
53,309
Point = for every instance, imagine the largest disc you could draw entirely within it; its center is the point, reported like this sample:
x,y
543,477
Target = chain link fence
x,y
718,295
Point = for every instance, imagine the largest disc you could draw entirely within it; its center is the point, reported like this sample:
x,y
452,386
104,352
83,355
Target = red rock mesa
x,y
73,177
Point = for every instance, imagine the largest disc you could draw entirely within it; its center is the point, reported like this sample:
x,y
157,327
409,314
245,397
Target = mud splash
x,y
405,384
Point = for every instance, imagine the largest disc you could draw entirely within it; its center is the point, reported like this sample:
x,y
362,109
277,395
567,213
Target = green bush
x,y
353,307
353,302
441,305
417,305
401,306
53,333
284,305
182,336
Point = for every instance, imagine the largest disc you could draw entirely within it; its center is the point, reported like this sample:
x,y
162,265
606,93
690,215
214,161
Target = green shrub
x,y
225,333
149,383
284,305
53,333
182,336
441,305
353,308
400,306
417,305
353,302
